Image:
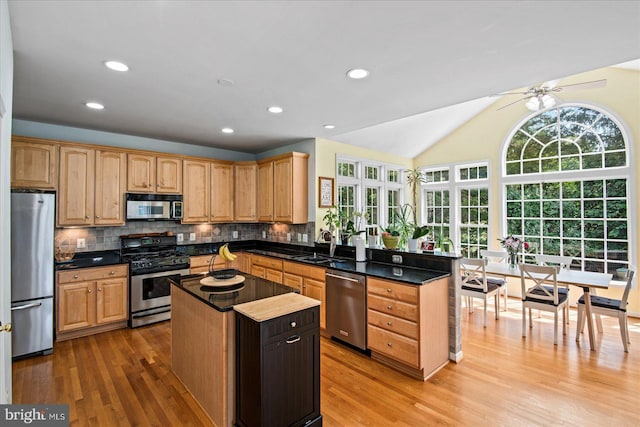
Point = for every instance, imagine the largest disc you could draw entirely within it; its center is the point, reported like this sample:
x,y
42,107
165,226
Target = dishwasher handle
x,y
343,278
24,307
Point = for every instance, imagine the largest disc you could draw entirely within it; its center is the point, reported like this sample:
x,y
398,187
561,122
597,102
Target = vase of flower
x,y
513,245
513,260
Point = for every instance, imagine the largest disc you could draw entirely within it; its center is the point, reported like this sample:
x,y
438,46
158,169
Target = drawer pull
x,y
293,339
293,324
389,344
111,273
89,290
388,289
389,323
75,276
389,307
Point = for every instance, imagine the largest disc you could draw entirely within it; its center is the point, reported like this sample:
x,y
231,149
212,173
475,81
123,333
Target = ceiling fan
x,y
543,96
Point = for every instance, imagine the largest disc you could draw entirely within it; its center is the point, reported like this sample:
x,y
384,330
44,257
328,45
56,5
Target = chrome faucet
x,y
332,245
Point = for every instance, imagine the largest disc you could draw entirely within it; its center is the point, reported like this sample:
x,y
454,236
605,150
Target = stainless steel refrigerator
x,y
32,228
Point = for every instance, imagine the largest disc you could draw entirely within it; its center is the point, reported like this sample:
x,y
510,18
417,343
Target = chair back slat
x,y
541,276
495,256
631,271
563,262
474,273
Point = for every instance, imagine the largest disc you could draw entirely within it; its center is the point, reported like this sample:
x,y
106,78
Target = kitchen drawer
x,y
267,262
393,307
393,324
92,273
292,280
304,270
386,288
200,263
258,271
290,324
393,345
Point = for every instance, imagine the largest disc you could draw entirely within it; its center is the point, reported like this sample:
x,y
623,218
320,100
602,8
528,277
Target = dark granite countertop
x,y
90,259
253,288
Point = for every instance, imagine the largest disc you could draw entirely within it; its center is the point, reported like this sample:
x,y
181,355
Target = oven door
x,y
152,290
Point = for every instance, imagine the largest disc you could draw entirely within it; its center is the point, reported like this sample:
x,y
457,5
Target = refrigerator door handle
x,y
24,307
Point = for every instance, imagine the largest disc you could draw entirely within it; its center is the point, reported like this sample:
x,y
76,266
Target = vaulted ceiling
x,y
197,67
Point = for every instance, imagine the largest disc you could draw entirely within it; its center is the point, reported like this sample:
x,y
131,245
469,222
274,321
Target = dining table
x,y
586,280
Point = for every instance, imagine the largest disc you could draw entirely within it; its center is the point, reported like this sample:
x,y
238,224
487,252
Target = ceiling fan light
x,y
548,101
533,103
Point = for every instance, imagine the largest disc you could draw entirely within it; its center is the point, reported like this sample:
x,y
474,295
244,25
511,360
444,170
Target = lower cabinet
x,y
200,263
310,281
408,325
278,370
91,300
266,268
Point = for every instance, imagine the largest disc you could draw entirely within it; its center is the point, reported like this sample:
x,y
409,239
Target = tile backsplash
x,y
107,238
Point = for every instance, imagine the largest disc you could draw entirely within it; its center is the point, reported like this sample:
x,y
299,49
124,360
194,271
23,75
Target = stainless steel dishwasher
x,y
347,307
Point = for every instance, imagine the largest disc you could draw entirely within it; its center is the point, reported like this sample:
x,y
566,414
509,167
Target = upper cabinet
x,y
246,174
168,175
222,197
33,164
154,174
91,188
196,183
265,190
282,188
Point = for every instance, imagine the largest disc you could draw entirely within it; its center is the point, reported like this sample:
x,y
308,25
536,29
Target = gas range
x,y
151,254
153,262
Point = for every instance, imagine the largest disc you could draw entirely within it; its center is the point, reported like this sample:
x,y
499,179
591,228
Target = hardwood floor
x,y
124,378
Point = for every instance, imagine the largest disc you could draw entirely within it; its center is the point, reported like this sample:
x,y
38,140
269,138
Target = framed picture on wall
x,y
325,192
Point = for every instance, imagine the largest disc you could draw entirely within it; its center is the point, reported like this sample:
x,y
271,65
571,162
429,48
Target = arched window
x,y
566,178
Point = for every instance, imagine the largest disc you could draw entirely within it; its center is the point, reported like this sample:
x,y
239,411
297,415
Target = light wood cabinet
x,y
222,197
265,190
91,300
282,188
91,188
246,174
148,173
310,280
110,187
33,164
196,185
200,263
267,268
76,187
408,325
168,175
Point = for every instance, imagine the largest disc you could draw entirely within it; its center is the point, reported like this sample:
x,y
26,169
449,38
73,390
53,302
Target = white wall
x,y
6,97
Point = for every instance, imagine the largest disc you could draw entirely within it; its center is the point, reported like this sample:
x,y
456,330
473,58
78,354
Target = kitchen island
x,y
203,337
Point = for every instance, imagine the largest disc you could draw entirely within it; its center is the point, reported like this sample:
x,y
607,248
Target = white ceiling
x,y
423,56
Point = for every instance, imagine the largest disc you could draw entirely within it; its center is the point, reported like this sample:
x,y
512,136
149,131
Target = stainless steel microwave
x,y
154,207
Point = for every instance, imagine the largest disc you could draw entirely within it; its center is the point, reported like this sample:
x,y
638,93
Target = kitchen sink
x,y
317,259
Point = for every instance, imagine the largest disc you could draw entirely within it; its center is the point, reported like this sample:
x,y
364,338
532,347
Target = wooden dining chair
x,y
497,256
475,285
561,262
609,307
543,295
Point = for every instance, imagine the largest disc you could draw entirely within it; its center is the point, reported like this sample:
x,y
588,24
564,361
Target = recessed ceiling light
x,y
329,126
116,66
275,109
357,73
227,130
94,105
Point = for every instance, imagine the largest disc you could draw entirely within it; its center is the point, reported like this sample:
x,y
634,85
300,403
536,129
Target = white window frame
x,y
361,183
627,172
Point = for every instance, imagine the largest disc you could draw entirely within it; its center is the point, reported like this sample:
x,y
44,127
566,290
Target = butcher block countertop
x,y
276,306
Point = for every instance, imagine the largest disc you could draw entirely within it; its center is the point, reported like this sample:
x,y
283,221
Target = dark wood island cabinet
x,y
277,367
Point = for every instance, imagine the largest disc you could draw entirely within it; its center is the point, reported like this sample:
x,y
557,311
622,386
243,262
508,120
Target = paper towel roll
x,y
360,249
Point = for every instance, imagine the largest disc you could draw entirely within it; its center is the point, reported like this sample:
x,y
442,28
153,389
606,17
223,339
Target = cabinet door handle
x,y
389,323
294,324
293,339
89,290
99,289
98,216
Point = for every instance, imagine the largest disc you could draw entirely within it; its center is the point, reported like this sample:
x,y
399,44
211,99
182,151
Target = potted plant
x,y
390,236
415,177
419,231
332,219
441,241
354,225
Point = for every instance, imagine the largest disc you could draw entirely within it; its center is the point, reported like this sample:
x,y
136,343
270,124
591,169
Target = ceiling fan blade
x,y
514,102
595,84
